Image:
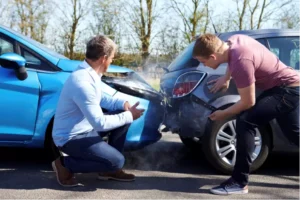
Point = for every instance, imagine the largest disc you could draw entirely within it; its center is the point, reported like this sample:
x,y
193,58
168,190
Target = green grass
x,y
154,83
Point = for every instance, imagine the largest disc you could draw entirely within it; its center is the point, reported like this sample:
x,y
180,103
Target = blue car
x,y
31,78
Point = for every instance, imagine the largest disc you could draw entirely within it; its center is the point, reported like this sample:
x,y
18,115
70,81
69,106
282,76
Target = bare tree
x,y
194,17
289,18
73,12
241,12
32,17
142,18
107,17
4,8
257,12
169,41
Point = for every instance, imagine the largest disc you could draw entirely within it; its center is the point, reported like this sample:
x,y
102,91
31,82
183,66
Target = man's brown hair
x,y
206,45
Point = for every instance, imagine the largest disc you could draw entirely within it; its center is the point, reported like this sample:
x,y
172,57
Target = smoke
x,y
159,156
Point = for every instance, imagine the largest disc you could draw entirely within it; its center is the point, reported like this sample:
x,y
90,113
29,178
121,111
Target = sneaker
x,y
229,187
64,177
119,175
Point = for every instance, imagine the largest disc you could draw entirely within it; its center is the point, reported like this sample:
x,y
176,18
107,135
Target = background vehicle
x,y
27,107
189,103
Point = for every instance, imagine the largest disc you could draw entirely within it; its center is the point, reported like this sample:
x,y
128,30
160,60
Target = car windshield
x,y
184,60
36,43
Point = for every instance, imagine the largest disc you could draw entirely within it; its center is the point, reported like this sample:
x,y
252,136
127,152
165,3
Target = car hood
x,y
120,78
70,65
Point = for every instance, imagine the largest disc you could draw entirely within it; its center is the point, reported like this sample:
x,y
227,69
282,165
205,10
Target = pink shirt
x,y
251,62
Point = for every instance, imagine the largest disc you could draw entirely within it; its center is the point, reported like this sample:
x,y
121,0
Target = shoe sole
x,y
114,179
228,193
55,170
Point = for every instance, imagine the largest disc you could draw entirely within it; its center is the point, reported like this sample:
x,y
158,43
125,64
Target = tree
x,y
32,17
142,18
195,17
107,18
257,12
70,23
289,18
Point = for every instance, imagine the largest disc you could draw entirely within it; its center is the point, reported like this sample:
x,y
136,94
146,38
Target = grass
x,y
155,83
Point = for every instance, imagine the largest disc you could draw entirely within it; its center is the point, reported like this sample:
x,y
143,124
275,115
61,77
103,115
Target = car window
x,y
31,58
286,49
262,41
6,46
184,60
34,61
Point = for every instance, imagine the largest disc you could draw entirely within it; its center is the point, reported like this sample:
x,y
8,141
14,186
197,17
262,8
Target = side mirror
x,y
15,62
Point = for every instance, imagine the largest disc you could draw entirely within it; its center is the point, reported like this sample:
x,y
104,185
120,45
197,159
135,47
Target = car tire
x,y
191,143
211,145
51,149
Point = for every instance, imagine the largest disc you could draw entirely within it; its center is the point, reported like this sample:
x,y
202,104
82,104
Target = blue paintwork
x,y
70,65
14,57
28,107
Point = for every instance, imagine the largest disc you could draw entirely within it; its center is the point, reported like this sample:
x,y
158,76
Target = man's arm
x,y
85,96
228,74
247,100
243,75
111,103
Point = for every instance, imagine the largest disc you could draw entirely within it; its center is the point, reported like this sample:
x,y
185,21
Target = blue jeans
x,y
281,103
89,153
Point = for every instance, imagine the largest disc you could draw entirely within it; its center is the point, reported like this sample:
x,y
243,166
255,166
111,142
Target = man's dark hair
x,y
98,46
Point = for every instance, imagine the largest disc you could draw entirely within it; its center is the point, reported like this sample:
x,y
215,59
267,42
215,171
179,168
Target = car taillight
x,y
186,83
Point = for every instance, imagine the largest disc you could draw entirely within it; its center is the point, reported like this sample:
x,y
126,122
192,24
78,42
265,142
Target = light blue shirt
x,y
78,110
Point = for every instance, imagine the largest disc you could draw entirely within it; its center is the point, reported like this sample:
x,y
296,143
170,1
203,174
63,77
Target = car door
x,y
18,100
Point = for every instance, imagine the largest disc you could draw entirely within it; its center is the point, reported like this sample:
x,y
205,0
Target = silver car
x,y
189,103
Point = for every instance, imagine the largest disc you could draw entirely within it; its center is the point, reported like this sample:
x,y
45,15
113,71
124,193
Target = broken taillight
x,y
186,83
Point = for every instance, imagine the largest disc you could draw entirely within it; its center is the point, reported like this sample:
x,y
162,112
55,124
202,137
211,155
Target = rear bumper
x,y
186,117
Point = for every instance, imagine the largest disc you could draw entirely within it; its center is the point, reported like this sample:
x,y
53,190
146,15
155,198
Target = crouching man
x,y
80,123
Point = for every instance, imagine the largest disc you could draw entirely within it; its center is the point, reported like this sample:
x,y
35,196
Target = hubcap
x,y
226,143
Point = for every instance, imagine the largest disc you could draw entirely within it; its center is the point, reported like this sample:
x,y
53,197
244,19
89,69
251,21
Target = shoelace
x,y
230,182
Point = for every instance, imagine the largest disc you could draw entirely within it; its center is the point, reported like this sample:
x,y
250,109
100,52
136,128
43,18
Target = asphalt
x,y
165,170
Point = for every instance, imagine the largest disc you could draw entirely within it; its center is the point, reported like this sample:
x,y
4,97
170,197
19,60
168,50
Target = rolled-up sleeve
x,y
85,97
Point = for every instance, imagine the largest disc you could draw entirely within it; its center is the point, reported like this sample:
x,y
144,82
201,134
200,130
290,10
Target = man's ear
x,y
102,59
213,56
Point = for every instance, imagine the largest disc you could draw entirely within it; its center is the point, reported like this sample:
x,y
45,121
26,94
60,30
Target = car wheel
x,y
192,143
51,149
219,146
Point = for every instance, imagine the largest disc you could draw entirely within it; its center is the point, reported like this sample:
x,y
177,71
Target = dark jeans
x,y
281,103
89,153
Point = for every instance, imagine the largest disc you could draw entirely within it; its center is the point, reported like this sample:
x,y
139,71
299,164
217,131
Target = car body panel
x,y
24,95
68,65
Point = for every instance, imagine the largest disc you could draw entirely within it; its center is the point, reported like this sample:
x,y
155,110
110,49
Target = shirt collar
x,y
92,72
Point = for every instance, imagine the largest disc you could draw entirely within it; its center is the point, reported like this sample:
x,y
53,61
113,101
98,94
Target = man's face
x,y
211,61
108,60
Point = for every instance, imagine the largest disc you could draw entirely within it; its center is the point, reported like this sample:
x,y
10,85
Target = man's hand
x,y
221,83
136,113
126,106
219,115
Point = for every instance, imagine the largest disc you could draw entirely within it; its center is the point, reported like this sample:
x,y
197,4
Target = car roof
x,y
261,33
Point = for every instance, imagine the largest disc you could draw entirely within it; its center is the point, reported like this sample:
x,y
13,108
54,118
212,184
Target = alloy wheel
x,y
226,143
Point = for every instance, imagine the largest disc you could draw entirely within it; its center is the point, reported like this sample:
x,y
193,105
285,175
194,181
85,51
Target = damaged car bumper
x,y
187,116
130,86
